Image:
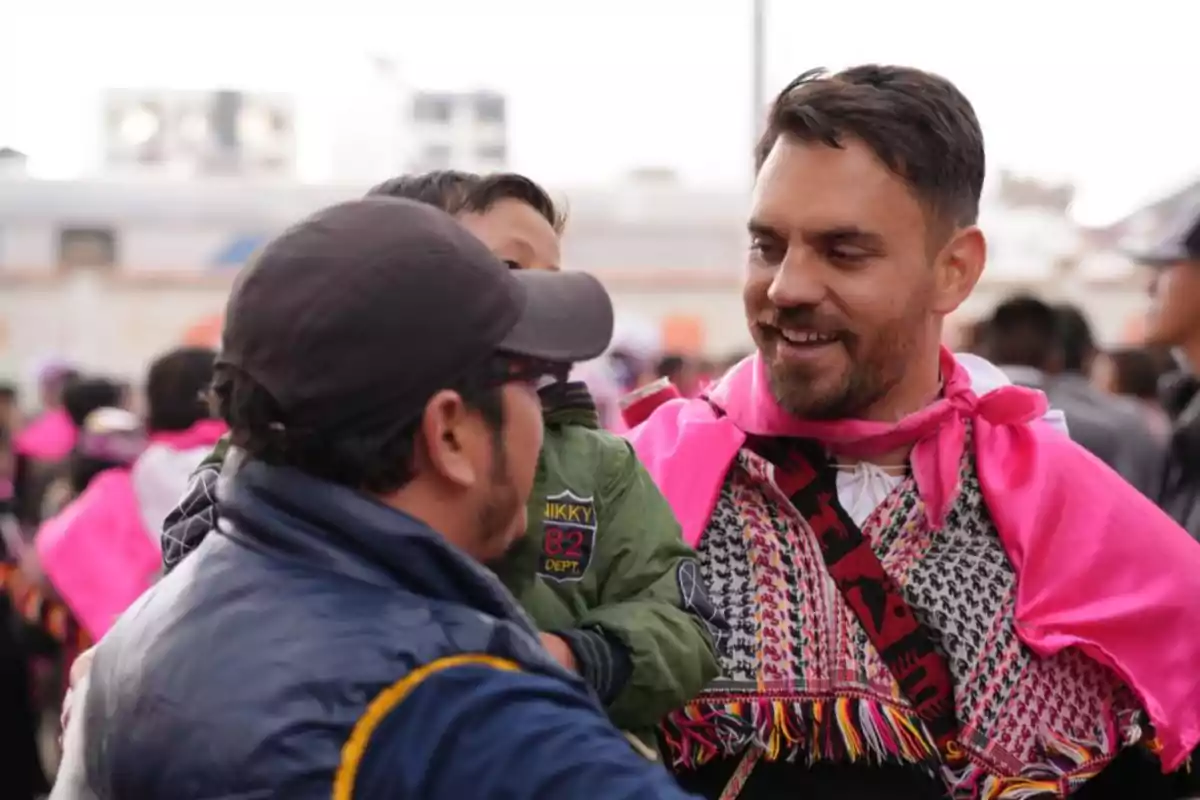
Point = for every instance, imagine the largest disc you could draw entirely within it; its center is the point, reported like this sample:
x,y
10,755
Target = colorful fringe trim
x,y
874,732
842,729
1064,766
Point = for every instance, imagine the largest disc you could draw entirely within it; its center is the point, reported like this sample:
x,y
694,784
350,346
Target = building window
x,y
86,248
432,108
436,156
490,108
492,153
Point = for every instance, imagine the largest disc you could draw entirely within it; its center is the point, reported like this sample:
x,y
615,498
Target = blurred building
x,y
13,163
198,134
117,269
460,130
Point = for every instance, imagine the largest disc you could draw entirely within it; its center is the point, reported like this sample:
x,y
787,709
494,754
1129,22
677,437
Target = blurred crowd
x,y
92,453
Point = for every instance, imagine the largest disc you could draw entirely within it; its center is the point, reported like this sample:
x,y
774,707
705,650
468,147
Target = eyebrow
x,y
841,234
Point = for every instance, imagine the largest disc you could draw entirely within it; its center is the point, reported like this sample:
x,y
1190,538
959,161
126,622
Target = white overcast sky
x,y
1099,93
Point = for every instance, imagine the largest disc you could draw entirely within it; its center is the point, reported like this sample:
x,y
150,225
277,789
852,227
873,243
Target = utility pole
x,y
758,71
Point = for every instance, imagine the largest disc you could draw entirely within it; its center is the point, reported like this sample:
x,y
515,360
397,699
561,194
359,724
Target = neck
x,y
420,500
918,388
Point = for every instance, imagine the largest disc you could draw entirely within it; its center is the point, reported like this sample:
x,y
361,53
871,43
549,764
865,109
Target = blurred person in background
x,y
1021,339
602,568
109,442
49,436
101,550
79,399
1174,322
339,634
681,371
1135,373
113,528
1029,340
43,442
1139,454
10,418
994,613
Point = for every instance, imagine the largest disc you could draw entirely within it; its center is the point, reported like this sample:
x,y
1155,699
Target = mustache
x,y
807,319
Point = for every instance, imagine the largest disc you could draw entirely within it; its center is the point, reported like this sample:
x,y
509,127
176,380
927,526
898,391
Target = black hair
x,y
175,387
82,469
84,395
670,366
8,392
375,461
456,192
1022,331
1137,371
917,123
1075,338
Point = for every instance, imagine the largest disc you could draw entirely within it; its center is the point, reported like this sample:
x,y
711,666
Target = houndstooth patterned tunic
x,y
801,680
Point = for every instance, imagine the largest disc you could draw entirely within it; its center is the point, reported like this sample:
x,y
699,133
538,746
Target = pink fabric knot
x,y
1011,405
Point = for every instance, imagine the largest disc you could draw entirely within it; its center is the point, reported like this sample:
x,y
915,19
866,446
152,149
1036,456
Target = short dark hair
x,y
456,192
1075,338
669,366
378,461
175,388
1137,371
918,124
84,395
1022,332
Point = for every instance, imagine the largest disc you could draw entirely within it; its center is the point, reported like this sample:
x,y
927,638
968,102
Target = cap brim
x,y
568,317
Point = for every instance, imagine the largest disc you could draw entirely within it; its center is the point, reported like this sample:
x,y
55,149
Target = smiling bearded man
x,y
930,593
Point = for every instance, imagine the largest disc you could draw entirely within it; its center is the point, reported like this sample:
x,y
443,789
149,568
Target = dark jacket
x,y
1179,490
603,564
1111,428
321,644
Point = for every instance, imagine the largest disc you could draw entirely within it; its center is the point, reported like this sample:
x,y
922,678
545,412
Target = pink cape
x,y
50,437
1099,566
97,553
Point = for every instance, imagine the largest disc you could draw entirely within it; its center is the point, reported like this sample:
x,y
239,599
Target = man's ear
x,y
958,268
445,431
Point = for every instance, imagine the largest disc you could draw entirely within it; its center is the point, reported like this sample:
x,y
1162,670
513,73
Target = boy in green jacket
x,y
603,569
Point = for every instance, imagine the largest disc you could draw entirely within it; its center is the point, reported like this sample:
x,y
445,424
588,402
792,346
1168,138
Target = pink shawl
x,y
50,437
1099,566
100,553
97,553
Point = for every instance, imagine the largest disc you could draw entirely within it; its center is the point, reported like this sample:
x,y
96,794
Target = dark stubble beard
x,y
502,505
877,364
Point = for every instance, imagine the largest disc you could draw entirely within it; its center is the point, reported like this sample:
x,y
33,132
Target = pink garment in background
x,y
1099,566
97,553
102,551
50,437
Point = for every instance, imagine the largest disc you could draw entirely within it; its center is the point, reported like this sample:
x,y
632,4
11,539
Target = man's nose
x,y
798,281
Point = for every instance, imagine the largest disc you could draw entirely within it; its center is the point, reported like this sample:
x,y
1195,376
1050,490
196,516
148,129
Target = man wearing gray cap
x,y
1174,321
338,635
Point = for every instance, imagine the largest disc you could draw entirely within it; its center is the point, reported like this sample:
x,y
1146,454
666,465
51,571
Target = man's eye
x,y
846,256
764,249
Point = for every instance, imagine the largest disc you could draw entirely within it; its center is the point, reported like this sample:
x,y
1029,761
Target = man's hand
x,y
558,649
80,668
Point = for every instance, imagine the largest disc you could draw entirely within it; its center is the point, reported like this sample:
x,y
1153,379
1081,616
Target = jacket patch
x,y
568,537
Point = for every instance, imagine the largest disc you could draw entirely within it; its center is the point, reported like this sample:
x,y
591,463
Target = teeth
x,y
807,337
